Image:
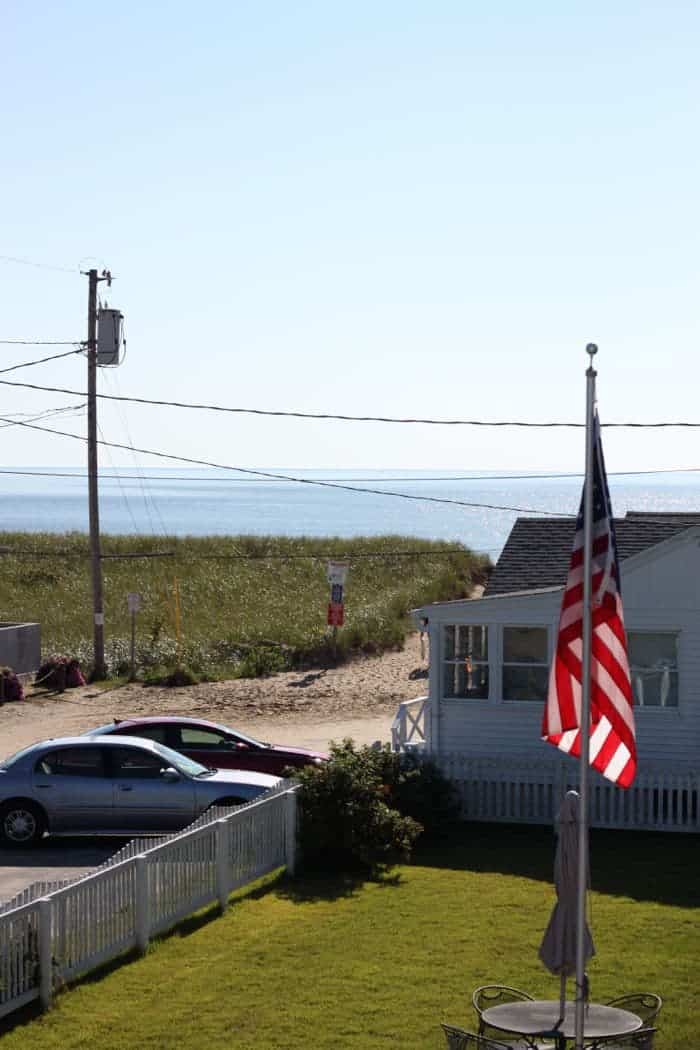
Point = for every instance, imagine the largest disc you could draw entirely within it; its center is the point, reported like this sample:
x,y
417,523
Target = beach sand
x,y
305,708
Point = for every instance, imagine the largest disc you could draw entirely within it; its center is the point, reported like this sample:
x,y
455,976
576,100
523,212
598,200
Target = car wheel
x,y
21,823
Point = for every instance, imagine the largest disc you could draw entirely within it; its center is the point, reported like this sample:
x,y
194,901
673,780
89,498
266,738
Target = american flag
x,y
612,745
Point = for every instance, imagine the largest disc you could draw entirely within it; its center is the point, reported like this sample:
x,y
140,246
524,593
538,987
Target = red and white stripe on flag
x,y
612,744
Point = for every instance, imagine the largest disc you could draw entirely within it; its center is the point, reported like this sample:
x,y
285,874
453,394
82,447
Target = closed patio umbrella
x,y
558,947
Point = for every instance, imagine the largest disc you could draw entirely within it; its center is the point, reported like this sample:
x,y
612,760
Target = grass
x,y
230,608
307,965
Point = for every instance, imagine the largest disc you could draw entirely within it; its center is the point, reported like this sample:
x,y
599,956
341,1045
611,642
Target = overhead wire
x,y
528,424
570,475
299,480
38,265
44,360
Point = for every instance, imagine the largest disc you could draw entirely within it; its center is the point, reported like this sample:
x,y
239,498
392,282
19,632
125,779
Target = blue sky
x,y
410,209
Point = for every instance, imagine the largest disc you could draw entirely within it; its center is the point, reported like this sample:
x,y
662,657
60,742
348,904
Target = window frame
x,y
676,633
454,661
503,663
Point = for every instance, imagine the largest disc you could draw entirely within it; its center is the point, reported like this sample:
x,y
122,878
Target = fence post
x,y
290,831
142,904
45,954
222,876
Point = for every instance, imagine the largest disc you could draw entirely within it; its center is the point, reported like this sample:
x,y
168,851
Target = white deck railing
x,y
520,789
410,725
79,926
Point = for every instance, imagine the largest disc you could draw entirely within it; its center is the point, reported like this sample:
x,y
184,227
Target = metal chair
x,y
646,1005
495,995
642,1039
459,1039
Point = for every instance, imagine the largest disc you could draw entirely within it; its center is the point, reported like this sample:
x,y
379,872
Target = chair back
x,y
495,995
646,1005
459,1039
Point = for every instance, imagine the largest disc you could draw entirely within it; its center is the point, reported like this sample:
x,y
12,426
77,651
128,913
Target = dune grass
x,y
307,965
233,593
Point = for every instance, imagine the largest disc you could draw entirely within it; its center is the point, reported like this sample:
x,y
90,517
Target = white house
x,y
489,669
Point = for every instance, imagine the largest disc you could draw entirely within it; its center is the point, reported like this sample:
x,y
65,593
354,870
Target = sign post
x,y
336,573
133,601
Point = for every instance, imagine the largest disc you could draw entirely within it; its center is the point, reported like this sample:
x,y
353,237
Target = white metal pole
x,y
591,349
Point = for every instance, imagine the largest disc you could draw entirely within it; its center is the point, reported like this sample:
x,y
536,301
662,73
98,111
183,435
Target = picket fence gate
x,y
77,927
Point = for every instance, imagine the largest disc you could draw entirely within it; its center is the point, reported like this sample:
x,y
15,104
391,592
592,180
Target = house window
x,y
466,662
653,660
525,664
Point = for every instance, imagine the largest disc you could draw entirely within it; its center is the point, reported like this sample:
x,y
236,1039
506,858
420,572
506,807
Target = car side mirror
x,y
170,774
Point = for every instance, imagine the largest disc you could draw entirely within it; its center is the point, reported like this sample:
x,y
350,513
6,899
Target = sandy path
x,y
308,708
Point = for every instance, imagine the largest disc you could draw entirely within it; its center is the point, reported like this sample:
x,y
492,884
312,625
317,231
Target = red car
x,y
214,745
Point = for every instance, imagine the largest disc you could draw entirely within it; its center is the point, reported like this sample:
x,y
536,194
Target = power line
x,y
38,265
572,475
43,360
298,480
550,424
38,342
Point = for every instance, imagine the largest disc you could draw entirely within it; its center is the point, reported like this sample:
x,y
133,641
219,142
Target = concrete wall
x,y
20,646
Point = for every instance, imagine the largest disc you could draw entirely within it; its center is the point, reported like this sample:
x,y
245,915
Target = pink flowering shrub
x,y
10,686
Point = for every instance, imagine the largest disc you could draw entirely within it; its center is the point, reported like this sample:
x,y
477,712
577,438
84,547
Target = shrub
x,y
260,661
10,686
346,823
60,672
418,789
171,677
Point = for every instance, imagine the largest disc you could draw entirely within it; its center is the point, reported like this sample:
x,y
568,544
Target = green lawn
x,y
306,965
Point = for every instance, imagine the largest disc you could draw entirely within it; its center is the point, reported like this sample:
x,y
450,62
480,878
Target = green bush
x,y
346,822
261,660
417,788
171,676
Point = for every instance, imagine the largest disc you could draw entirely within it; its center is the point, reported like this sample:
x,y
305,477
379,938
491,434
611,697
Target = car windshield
x,y
180,762
7,762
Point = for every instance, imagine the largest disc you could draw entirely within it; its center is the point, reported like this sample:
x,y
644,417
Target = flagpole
x,y
591,350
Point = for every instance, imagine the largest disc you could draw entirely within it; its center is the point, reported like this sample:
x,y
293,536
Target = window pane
x,y
652,650
73,762
130,763
655,688
192,736
157,733
464,682
525,683
466,641
525,645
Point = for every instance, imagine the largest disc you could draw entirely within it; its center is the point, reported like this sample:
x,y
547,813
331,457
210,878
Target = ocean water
x,y
209,502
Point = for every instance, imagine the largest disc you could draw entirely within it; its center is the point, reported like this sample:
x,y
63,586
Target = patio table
x,y
540,1018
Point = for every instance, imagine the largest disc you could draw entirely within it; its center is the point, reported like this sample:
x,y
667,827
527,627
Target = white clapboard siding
x,y
660,593
74,928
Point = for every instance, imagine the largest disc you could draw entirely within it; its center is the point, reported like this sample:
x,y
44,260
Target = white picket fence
x,y
79,926
520,789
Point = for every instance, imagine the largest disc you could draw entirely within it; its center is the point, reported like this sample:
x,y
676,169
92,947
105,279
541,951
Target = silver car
x,y
105,785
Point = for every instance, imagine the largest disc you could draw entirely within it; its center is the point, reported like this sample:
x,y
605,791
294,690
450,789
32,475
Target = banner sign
x,y
336,614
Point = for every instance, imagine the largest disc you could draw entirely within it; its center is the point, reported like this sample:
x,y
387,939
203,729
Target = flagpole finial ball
x,y
592,349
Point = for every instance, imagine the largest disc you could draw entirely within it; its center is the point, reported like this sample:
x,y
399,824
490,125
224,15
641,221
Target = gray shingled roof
x,y
538,550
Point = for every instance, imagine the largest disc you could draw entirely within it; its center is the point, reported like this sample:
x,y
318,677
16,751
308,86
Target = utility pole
x,y
98,617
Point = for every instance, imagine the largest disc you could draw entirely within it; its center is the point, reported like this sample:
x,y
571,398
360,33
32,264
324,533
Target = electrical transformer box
x,y
110,336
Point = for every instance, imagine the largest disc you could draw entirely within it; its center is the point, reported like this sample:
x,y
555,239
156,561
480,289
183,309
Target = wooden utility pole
x,y
98,617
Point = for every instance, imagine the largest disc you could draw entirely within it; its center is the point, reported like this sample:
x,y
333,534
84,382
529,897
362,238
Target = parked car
x,y
214,745
111,786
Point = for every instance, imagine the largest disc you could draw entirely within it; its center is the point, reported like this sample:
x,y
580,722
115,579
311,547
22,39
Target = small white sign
x,y
133,600
336,571
99,619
